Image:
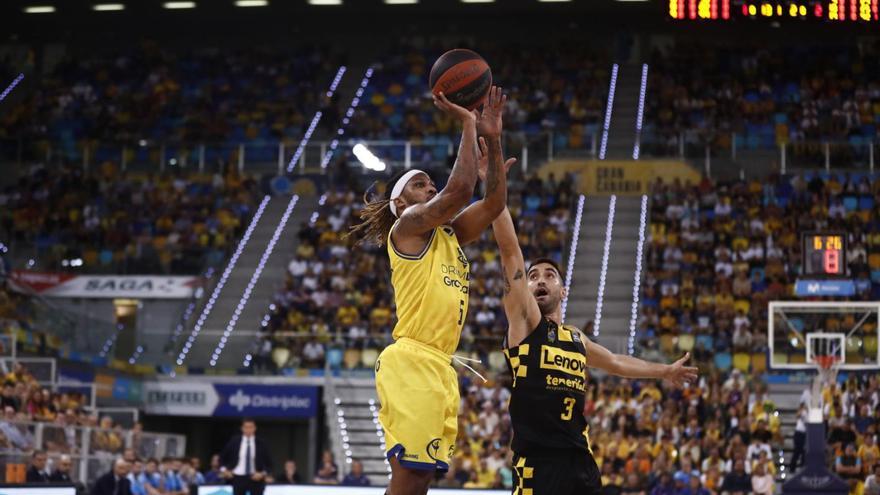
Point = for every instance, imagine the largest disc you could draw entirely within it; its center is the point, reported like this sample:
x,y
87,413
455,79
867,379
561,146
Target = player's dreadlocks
x,y
376,216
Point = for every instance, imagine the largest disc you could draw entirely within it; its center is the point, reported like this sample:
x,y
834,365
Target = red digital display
x,y
860,11
824,254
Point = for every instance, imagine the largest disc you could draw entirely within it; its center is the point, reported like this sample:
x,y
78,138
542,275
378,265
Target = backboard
x,y
798,331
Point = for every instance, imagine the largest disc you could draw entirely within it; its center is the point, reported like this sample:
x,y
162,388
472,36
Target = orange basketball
x,y
463,76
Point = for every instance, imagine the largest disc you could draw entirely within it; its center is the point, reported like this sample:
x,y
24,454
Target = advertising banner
x,y
337,490
31,490
194,398
103,286
620,177
840,288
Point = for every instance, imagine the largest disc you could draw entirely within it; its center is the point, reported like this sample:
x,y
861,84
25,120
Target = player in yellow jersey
x,y
424,230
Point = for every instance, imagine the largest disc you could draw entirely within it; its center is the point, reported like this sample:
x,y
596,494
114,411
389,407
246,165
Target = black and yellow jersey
x,y
547,400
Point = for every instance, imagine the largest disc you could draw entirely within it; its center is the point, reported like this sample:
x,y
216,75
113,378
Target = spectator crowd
x,y
767,95
718,252
111,221
338,296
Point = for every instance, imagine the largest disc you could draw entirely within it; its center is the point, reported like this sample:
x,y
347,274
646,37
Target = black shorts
x,y
571,473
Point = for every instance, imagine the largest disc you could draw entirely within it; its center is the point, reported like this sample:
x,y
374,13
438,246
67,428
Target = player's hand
x,y
459,112
489,121
483,160
679,374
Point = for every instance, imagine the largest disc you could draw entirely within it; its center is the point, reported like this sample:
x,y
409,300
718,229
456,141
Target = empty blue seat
x,y
723,361
334,357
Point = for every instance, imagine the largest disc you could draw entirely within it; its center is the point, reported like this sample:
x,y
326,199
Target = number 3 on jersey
x,y
568,403
460,311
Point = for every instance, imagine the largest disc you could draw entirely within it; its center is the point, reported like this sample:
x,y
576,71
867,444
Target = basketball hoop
x,y
827,366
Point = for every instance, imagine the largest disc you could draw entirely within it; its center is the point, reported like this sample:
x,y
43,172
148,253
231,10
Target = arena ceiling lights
x,y
251,3
477,1
179,5
39,9
401,2
325,2
107,7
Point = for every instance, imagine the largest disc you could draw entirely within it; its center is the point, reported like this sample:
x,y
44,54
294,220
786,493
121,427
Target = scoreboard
x,y
861,11
824,254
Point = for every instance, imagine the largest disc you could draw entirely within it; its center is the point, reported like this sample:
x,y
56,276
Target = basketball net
x,y
827,366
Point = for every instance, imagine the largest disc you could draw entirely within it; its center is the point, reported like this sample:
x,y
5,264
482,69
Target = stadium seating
x,y
114,222
718,251
163,94
563,94
337,296
708,92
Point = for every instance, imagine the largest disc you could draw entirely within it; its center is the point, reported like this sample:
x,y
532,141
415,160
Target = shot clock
x,y
824,254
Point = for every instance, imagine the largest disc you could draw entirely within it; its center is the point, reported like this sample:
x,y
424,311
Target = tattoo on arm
x,y
519,274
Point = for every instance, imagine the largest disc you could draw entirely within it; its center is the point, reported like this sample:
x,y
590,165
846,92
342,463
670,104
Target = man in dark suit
x,y
37,472
245,459
114,482
62,471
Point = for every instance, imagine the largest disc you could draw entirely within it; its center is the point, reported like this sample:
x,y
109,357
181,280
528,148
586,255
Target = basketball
x,y
463,76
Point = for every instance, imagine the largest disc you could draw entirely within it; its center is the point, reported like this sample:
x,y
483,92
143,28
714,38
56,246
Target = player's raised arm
x,y
470,223
520,306
630,367
421,218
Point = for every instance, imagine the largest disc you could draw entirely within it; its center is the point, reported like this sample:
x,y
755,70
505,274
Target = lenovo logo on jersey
x,y
554,358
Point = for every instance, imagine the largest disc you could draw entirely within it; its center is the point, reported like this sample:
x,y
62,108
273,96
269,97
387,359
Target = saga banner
x,y
103,286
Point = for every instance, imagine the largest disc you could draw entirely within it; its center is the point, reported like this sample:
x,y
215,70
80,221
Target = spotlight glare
x,y
39,9
107,7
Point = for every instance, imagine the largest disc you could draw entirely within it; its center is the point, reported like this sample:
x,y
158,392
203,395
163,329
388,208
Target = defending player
x,y
417,386
549,363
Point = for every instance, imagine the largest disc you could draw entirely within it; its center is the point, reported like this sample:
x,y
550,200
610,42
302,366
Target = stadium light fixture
x,y
637,277
9,89
255,277
554,1
107,7
572,253
477,1
251,3
401,2
348,116
367,158
603,273
39,9
179,5
308,135
325,2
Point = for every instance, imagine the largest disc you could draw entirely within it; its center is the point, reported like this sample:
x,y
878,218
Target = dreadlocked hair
x,y
376,217
377,221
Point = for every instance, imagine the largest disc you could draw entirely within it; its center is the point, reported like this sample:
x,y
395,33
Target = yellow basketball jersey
x,y
431,291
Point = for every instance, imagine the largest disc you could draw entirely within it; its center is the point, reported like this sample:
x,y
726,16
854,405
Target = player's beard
x,y
550,303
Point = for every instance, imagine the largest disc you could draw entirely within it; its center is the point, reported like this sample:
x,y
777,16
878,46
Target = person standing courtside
x,y
116,481
245,460
37,472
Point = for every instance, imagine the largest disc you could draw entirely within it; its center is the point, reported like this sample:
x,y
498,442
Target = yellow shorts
x,y
418,391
